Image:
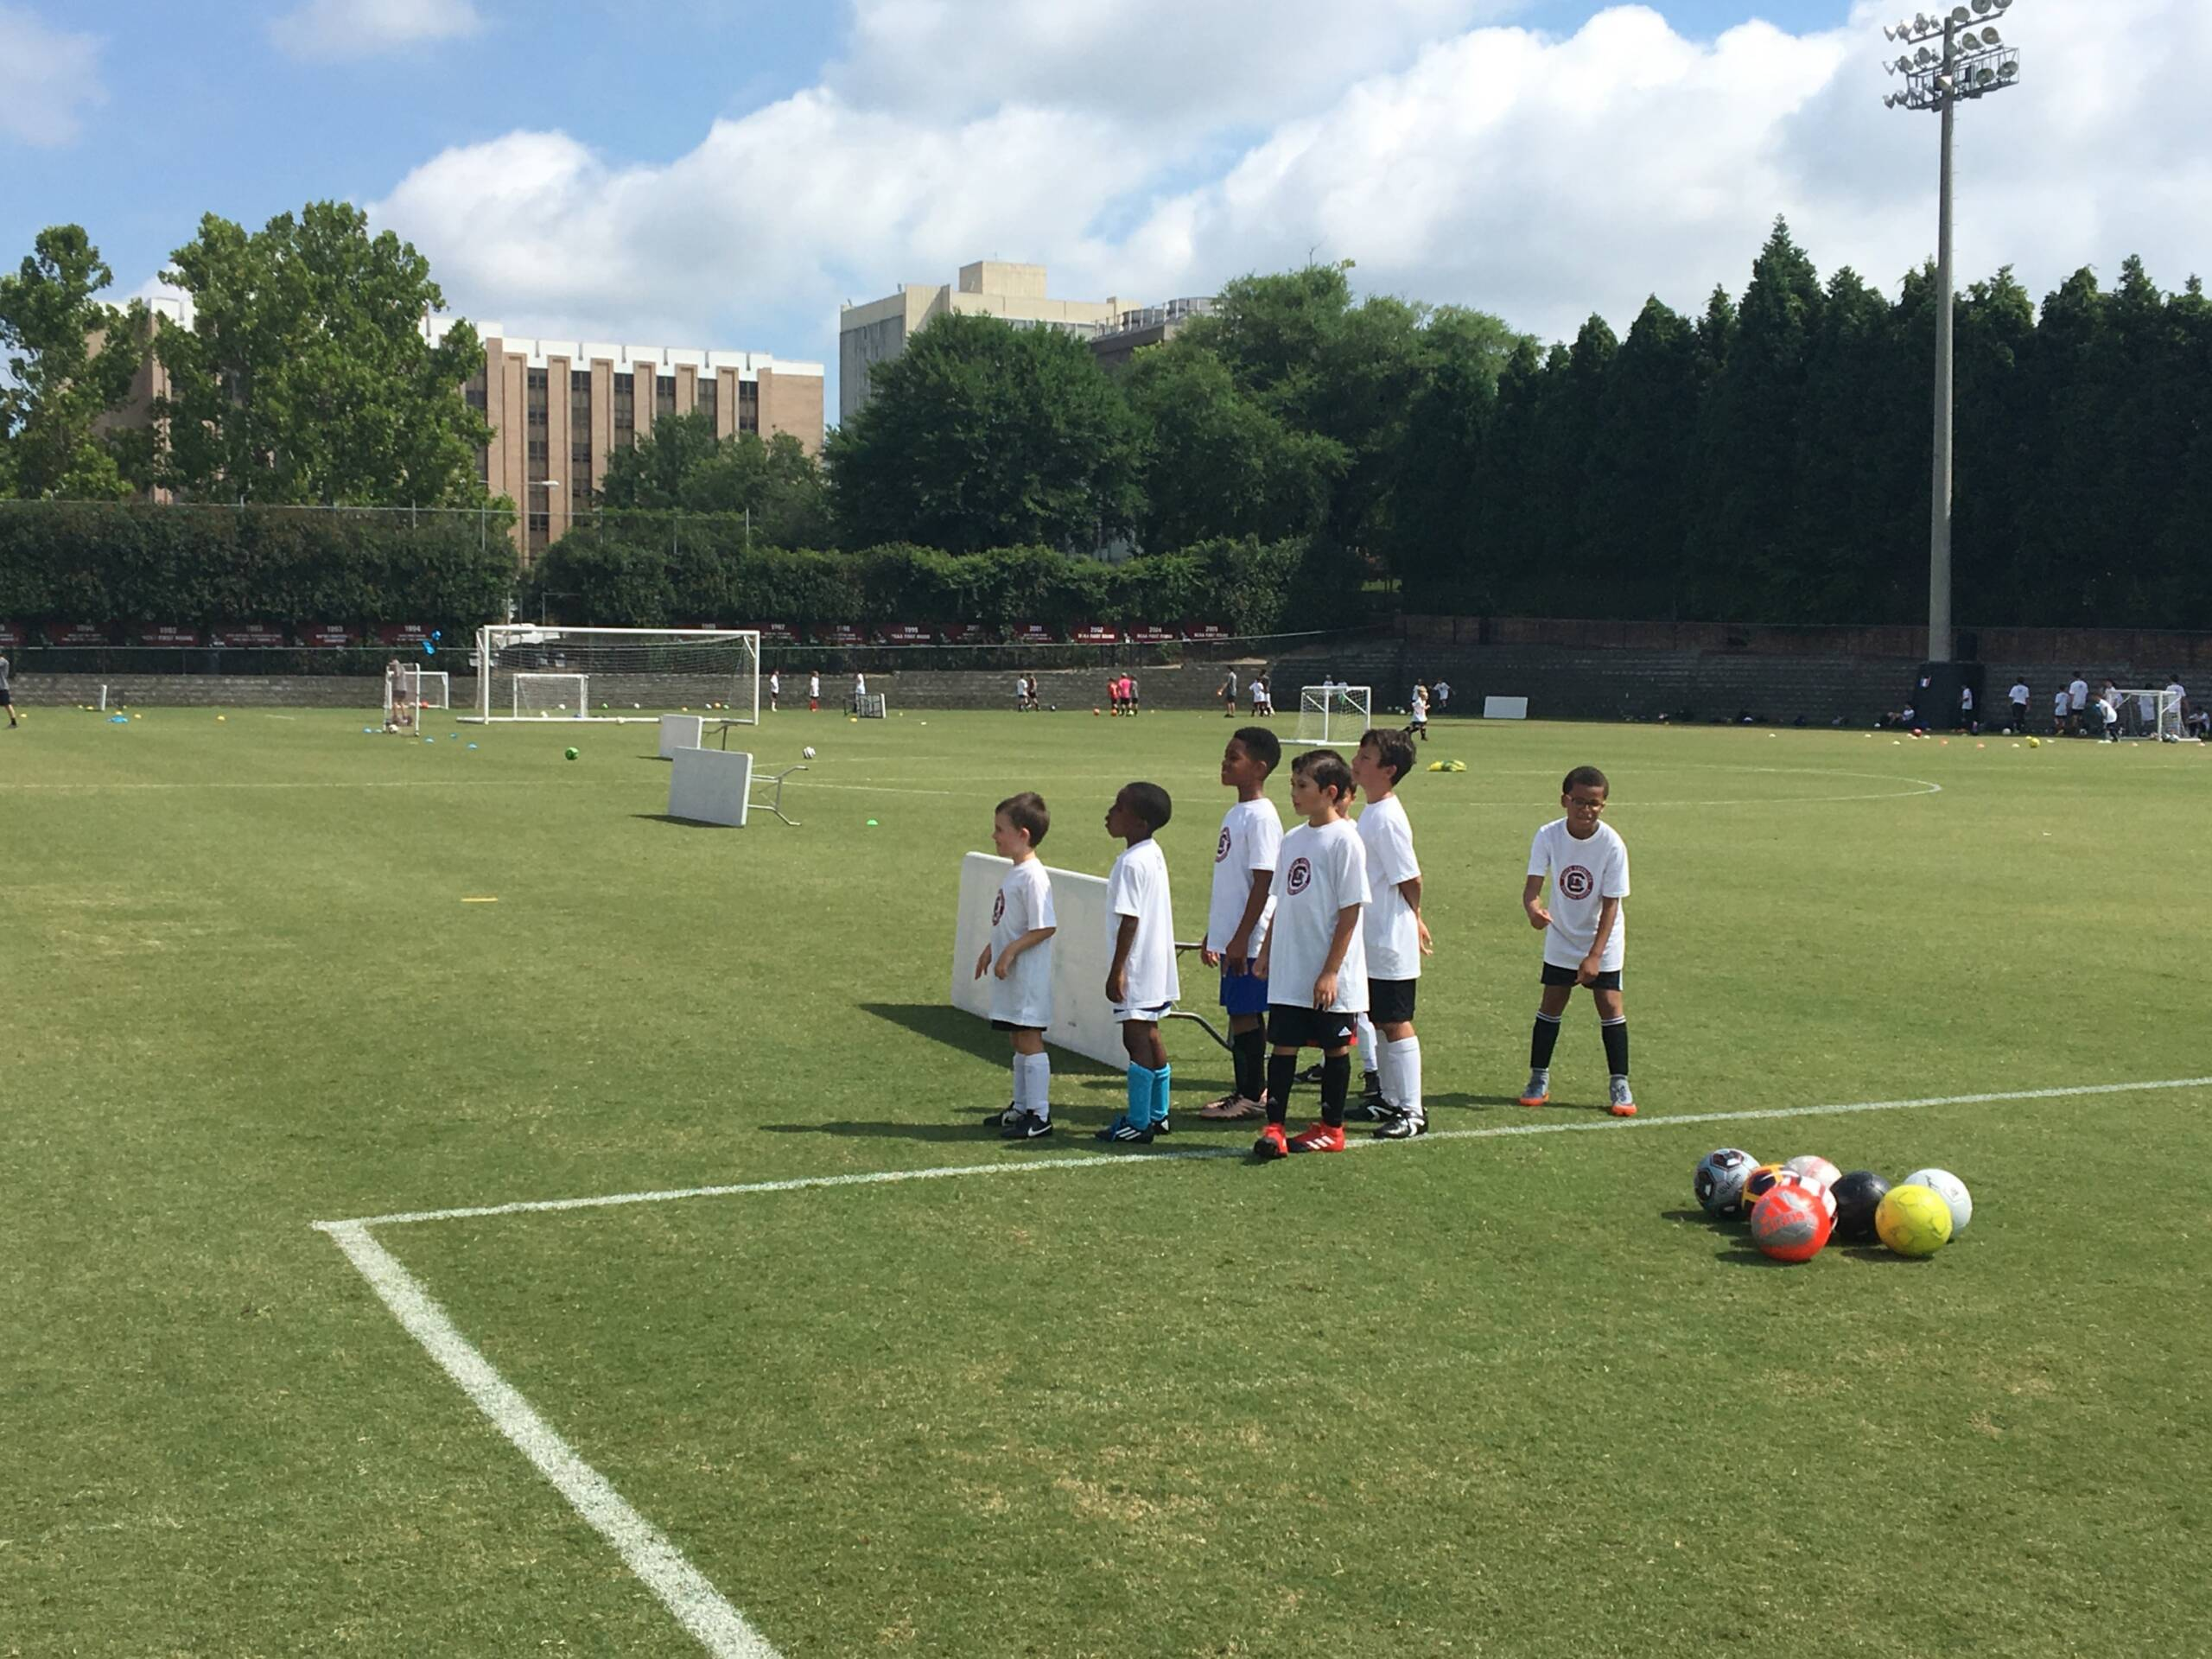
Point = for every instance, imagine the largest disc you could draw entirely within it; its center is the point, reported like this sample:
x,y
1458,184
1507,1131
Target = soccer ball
x,y
1719,1182
1759,1183
1950,1188
2035,742
1913,1220
807,754
1788,1224
1856,1195
571,754
1792,1180
1818,1168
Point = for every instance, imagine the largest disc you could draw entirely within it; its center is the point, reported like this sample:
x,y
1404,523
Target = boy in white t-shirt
x,y
1019,959
1392,930
1584,938
1314,961
775,688
814,691
1236,920
1141,982
2019,697
2059,706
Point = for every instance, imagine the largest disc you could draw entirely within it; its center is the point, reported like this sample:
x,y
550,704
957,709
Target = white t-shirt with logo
x,y
1250,833
1137,886
1584,874
775,684
2059,703
1391,930
2020,693
860,685
1024,904
1318,873
1966,699
2078,694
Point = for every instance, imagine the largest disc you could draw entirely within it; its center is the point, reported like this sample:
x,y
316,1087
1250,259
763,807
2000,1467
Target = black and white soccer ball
x,y
1718,1183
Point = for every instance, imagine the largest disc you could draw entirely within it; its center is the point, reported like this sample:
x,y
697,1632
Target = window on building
x,y
749,405
664,396
626,412
709,398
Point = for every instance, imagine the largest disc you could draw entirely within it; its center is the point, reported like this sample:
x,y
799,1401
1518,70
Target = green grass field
x,y
1489,1394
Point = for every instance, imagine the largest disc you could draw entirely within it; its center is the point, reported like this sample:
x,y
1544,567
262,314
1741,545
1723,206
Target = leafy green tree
x,y
1216,462
681,466
69,359
1995,459
305,377
1642,464
981,435
1434,546
1499,575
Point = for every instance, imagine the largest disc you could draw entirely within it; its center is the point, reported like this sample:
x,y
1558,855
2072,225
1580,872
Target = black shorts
x,y
7,698
1292,1026
1606,982
1008,1024
1390,1002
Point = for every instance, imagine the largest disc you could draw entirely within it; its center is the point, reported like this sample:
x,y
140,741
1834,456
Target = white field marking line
x,y
1134,1159
698,1606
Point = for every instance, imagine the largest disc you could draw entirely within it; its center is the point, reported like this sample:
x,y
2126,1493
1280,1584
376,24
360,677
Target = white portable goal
x,y
2149,711
417,689
528,671
1332,713
869,706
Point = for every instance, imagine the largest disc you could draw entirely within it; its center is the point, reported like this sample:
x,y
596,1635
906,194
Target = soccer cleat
x,y
1160,1124
1320,1137
1026,1126
1623,1104
1001,1117
1539,1090
1312,1073
1122,1129
1271,1143
1371,1088
1403,1125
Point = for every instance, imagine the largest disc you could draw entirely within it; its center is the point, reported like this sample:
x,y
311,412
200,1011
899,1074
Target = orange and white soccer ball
x,y
1790,1224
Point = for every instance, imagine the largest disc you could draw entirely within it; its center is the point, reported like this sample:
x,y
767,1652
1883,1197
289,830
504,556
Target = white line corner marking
x,y
698,1606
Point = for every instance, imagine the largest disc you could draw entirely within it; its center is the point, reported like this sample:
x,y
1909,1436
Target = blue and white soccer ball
x,y
1719,1182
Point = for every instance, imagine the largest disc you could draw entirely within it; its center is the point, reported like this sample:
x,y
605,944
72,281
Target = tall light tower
x,y
1951,56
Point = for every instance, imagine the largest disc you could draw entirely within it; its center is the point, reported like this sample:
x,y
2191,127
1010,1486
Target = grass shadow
x,y
686,823
964,1032
1599,1106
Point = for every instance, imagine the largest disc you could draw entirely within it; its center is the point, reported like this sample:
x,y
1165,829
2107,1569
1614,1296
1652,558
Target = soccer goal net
x,y
1330,714
870,706
526,672
416,688
2150,711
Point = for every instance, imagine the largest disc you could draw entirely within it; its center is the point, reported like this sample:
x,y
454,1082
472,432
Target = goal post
x,y
869,705
415,689
530,672
1330,714
2150,711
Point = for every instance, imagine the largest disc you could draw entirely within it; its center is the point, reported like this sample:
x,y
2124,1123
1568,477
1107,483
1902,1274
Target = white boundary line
x,y
645,1549
1134,1159
698,1606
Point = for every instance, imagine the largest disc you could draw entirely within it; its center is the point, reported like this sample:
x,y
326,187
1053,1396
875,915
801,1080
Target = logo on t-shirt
x,y
998,908
1221,851
1301,875
1576,882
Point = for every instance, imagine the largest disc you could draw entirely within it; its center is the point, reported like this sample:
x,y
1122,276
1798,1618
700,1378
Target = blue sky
x,y
726,173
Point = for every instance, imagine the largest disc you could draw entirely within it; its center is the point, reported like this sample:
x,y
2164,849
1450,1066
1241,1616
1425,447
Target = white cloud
x,y
333,29
47,79
1538,176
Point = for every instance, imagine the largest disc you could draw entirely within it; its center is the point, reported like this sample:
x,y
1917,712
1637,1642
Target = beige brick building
x,y
560,408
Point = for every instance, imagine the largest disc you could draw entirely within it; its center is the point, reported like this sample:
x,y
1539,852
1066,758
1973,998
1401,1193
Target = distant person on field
x,y
1228,696
1584,936
1018,958
397,713
2177,722
1141,982
2077,703
1021,692
2108,718
1263,699
1395,935
1237,912
775,688
1442,690
1419,718
1966,721
860,692
1129,690
814,691
2019,696
2060,703
8,695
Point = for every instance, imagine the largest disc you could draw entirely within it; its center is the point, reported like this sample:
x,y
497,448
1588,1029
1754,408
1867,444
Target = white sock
x,y
1401,1075
1033,1084
1371,1051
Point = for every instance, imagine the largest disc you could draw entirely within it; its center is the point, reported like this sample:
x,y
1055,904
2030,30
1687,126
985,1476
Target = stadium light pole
x,y
1953,55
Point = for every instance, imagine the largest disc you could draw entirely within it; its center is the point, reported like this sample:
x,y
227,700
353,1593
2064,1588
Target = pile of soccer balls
x,y
1795,1208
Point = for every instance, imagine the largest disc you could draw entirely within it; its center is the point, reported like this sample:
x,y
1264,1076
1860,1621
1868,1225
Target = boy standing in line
x,y
1236,920
814,691
2019,696
1313,961
1141,982
1020,958
1395,935
775,687
1585,940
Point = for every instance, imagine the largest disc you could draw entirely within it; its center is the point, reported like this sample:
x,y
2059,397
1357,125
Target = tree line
x,y
1764,458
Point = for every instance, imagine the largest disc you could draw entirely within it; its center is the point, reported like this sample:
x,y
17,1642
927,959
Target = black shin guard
x,y
1615,1032
1336,1083
1249,1049
1283,1072
1541,1041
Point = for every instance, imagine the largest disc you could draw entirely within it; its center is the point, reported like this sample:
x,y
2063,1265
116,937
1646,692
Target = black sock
x,y
1249,1051
1283,1072
1615,1031
1336,1082
1541,1041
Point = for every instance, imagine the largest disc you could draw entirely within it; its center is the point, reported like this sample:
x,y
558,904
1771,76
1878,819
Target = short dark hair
x,y
1150,803
1027,811
1391,749
1260,744
1324,769
1585,778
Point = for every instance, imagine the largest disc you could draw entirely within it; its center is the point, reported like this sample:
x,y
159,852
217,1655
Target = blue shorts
x,y
1244,992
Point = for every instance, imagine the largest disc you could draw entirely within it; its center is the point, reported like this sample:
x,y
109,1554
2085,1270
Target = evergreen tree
x,y
1644,464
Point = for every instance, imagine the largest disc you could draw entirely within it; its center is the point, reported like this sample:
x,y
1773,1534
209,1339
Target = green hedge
x,y
196,566
635,576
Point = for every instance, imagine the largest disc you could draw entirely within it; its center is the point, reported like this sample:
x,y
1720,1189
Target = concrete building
x,y
878,331
560,408
1116,345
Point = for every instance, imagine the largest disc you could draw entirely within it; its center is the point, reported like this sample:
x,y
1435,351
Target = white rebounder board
x,y
1505,707
1083,1020
679,732
710,787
